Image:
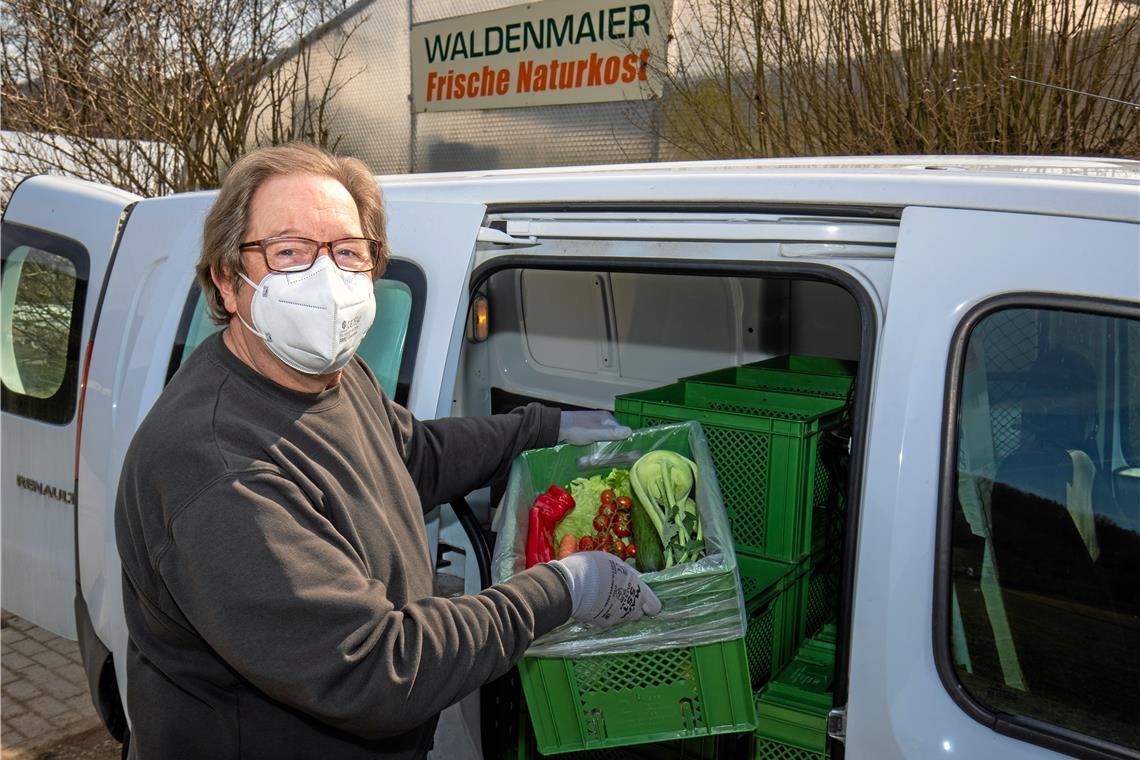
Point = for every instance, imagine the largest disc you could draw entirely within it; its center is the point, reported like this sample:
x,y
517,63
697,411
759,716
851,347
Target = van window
x,y
41,304
1045,558
388,348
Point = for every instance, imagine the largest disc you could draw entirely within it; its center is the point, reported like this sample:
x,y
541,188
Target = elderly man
x,y
276,572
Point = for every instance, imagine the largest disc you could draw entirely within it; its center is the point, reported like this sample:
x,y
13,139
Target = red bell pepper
x,y
547,510
558,493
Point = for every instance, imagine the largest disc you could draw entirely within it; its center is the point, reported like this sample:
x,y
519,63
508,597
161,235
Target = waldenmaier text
x,y
519,37
542,53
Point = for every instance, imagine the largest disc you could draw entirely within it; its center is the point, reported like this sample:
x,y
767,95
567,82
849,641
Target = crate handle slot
x,y
597,723
688,713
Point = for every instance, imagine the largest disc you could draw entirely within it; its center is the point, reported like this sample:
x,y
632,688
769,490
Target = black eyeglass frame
x,y
377,246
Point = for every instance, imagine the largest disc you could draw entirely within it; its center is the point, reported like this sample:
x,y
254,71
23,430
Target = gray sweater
x,y
276,573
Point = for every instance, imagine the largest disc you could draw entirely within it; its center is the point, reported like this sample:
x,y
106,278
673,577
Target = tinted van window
x,y
41,303
389,348
1046,532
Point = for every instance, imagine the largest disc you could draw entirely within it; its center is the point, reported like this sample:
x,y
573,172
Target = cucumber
x,y
650,552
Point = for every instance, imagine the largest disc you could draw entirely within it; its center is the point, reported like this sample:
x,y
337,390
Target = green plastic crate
x,y
791,711
812,669
771,592
807,375
618,700
700,748
704,748
791,373
765,449
594,702
826,634
817,593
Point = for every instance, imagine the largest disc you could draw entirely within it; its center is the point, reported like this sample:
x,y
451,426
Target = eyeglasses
x,y
296,254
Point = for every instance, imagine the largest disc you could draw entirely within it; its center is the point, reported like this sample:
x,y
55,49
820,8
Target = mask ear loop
x,y
264,336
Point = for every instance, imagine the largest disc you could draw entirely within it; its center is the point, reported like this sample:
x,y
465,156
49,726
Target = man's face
x,y
292,205
298,205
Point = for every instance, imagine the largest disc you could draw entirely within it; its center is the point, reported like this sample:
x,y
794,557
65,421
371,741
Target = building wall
x,y
373,119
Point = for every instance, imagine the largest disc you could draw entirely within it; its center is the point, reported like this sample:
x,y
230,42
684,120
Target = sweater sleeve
x,y
452,456
287,603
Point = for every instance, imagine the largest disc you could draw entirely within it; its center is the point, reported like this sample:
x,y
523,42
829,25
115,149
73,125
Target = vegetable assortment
x,y
588,491
603,520
645,515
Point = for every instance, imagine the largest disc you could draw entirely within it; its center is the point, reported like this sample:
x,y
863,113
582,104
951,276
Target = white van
x,y
988,303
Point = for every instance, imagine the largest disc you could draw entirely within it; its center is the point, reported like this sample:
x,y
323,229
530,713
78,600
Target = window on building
x,y
389,348
41,305
1045,584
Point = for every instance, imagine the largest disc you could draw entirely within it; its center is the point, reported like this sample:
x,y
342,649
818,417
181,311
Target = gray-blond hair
x,y
226,224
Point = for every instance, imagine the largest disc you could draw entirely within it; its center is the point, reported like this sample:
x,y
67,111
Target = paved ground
x,y
46,713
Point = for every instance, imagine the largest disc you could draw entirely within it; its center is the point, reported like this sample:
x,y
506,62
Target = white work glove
x,y
590,426
605,591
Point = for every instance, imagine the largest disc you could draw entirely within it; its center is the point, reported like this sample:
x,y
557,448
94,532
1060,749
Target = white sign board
x,y
545,53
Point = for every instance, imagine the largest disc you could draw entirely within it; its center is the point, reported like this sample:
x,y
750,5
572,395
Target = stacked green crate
x,y
791,373
818,592
772,592
825,378
826,635
809,376
792,709
765,424
765,449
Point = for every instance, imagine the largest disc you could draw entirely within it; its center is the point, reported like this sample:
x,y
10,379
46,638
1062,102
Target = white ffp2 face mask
x,y
313,320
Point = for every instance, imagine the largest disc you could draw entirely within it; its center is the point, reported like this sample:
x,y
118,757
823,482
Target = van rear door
x,y
58,238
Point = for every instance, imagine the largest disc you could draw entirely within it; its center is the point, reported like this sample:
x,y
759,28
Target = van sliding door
x,y
995,599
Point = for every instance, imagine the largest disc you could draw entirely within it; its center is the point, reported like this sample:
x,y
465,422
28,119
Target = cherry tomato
x,y
630,550
619,548
607,509
607,496
621,525
586,544
601,523
624,503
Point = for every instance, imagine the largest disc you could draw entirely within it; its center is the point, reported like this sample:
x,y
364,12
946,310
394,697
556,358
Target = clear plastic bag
x,y
702,601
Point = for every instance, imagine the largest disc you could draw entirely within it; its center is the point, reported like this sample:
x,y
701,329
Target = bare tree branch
x,y
159,96
803,77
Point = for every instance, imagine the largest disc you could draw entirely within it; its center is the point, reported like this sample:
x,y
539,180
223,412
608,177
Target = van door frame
x,y
869,329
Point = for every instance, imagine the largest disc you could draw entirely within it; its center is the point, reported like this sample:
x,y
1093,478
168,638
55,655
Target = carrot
x,y
567,546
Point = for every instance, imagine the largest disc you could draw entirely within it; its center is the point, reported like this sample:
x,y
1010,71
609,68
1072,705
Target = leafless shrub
x,y
815,77
157,96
